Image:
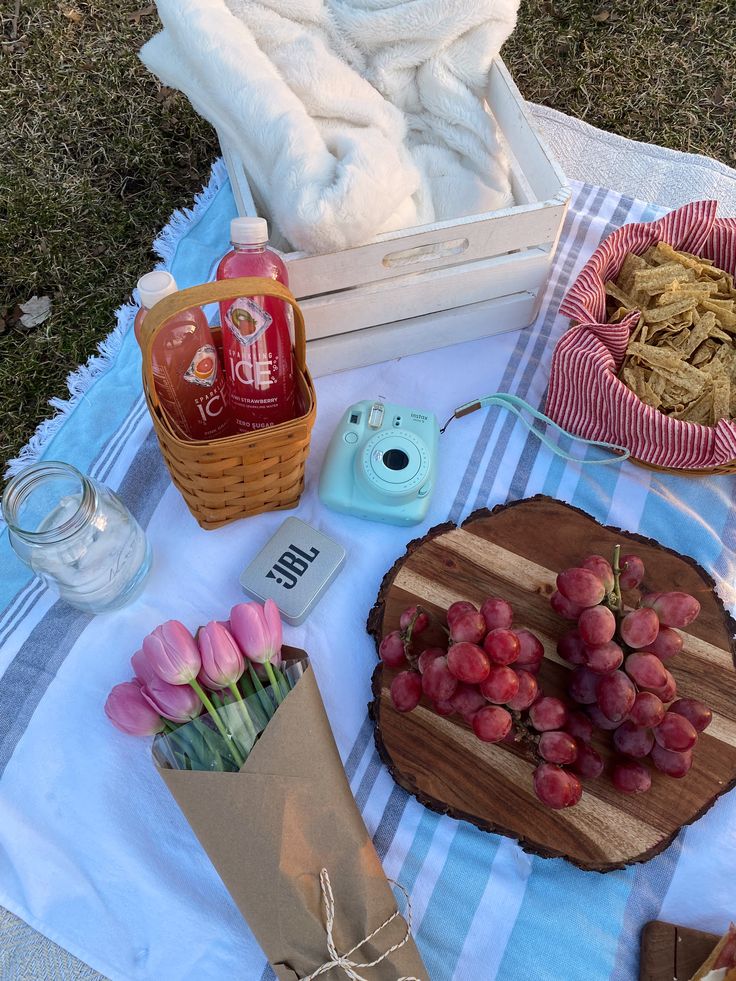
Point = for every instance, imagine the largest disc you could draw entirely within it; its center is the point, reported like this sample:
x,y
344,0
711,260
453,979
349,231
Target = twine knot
x,y
343,960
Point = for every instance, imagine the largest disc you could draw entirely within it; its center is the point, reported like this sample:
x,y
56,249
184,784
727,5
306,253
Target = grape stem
x,y
406,637
618,603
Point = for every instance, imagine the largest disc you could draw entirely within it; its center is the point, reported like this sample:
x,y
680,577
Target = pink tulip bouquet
x,y
243,743
207,697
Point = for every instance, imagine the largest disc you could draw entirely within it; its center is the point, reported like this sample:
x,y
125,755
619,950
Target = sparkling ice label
x,y
246,320
203,368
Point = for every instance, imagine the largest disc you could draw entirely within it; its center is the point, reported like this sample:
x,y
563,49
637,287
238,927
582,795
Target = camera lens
x,y
395,459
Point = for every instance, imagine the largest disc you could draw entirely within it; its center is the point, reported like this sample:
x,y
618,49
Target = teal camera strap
x,y
516,405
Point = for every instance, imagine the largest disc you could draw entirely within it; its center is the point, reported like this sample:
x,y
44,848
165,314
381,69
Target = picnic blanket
x,y
355,117
93,851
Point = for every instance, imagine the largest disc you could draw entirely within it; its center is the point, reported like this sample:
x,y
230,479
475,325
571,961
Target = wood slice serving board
x,y
515,552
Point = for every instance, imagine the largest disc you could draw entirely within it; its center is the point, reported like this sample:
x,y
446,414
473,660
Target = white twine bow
x,y
343,960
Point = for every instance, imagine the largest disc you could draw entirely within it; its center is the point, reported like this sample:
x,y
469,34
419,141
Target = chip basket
x,y
233,477
585,395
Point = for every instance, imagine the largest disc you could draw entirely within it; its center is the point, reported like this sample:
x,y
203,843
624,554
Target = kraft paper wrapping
x,y
272,827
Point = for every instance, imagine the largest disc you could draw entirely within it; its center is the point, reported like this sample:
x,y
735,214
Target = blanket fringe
x,y
80,380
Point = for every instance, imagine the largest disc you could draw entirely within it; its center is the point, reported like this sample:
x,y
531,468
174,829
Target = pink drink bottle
x,y
256,340
187,374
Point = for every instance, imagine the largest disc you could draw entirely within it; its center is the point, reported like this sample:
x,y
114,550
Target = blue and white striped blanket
x,y
93,851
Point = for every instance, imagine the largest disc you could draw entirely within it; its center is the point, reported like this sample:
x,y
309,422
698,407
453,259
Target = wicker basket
x,y
234,477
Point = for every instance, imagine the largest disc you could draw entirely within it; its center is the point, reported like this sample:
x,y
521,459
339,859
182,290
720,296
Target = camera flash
x,y
375,419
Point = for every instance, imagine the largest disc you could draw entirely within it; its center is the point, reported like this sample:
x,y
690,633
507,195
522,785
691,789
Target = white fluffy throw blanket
x,y
353,117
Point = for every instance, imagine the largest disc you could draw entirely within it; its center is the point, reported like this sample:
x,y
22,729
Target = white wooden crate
x,y
370,303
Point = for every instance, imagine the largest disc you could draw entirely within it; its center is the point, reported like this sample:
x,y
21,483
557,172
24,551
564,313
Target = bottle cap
x,y
248,231
154,286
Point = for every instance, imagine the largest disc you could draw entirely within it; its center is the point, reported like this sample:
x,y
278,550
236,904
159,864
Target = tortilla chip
x,y
681,357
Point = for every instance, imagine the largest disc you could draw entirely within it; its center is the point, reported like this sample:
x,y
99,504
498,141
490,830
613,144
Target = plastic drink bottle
x,y
187,373
256,340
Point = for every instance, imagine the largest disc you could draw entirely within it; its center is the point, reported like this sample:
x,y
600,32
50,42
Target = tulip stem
x,y
243,711
227,736
274,683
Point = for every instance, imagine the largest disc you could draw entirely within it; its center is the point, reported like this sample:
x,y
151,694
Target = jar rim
x,y
20,487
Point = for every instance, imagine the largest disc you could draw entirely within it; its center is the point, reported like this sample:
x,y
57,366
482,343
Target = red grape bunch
x,y
487,675
620,677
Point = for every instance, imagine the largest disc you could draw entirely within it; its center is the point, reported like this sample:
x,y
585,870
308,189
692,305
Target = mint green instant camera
x,y
381,463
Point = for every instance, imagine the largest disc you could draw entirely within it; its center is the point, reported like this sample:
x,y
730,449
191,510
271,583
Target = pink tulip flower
x,y
179,703
142,668
172,653
222,662
128,710
257,630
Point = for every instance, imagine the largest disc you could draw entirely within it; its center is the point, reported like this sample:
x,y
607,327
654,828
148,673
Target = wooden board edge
x,y
374,625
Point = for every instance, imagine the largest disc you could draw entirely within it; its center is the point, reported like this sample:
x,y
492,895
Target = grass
x,y
96,154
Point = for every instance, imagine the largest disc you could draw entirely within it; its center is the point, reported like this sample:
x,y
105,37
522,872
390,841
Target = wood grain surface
x,y
516,552
673,953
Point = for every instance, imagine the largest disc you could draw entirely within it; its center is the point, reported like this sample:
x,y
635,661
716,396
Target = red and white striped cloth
x,y
586,397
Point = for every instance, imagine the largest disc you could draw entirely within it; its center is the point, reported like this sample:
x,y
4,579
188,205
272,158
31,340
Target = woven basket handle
x,y
198,296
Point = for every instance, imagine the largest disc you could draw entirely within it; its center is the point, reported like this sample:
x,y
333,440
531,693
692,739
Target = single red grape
x,y
631,777
531,651
571,648
406,690
497,613
599,719
668,691
557,747
596,625
391,650
468,627
604,658
457,609
646,670
633,740
421,620
556,787
468,663
581,586
502,646
581,686
588,763
467,700
616,694
601,568
548,713
443,708
667,643
647,710
672,763
492,723
501,685
639,628
674,609
527,693
437,682
563,607
676,733
579,726
633,571
696,713
428,655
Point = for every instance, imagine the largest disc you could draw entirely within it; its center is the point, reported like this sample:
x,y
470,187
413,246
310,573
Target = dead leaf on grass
x,y
34,311
72,14
138,15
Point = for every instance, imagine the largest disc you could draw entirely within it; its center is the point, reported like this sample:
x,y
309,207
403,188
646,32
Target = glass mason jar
x,y
77,536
